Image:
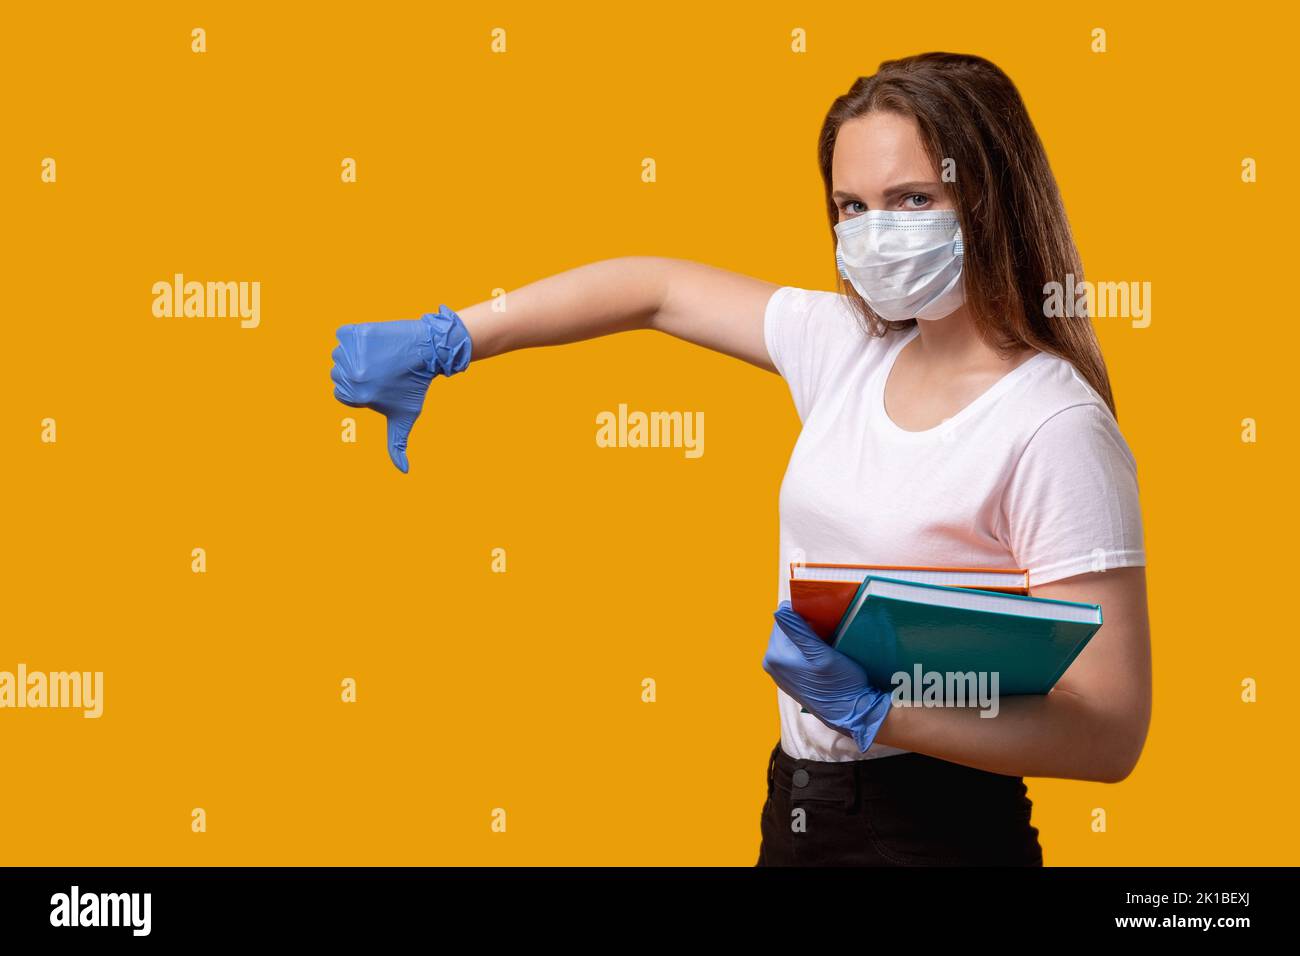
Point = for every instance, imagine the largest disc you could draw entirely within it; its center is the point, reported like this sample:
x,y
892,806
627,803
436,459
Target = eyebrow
x,y
912,187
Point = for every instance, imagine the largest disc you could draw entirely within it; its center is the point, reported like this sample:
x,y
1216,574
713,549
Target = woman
x,y
949,419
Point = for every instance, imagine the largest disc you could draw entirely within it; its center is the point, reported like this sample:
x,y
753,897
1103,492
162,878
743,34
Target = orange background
x,y
477,171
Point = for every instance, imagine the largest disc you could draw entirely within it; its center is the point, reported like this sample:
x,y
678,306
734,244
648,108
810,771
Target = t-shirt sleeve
x,y
807,332
1071,505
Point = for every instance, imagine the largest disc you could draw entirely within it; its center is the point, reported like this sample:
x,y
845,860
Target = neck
x,y
952,340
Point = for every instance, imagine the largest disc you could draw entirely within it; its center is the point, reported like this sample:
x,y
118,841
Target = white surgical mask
x,y
907,265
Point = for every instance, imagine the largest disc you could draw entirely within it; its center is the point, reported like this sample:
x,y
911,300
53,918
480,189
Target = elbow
x,y
1120,759
1115,771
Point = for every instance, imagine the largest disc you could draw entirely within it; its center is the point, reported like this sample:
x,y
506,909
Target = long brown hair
x,y
1016,237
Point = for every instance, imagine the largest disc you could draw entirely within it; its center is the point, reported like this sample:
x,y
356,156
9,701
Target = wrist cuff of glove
x,y
866,727
449,341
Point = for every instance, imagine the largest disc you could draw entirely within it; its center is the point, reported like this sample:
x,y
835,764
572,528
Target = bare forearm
x,y
1056,735
600,298
714,308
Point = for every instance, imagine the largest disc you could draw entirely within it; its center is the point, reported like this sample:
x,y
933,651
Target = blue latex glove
x,y
388,366
832,686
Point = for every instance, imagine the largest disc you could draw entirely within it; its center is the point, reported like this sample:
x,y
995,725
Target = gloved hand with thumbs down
x,y
388,366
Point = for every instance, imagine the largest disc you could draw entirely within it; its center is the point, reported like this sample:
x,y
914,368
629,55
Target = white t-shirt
x,y
1032,474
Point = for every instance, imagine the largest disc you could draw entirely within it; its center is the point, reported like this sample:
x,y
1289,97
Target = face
x,y
879,163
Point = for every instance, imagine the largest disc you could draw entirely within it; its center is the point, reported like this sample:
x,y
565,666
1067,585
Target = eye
x,y
916,201
846,207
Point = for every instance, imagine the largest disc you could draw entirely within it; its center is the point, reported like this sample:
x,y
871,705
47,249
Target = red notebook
x,y
821,593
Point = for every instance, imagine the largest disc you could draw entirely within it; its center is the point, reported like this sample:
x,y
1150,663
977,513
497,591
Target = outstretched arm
x,y
387,366
719,310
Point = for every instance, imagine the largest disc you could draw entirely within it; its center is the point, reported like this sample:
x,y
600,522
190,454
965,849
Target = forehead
x,y
874,151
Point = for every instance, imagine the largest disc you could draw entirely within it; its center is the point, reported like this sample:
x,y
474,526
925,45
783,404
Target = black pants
x,y
904,810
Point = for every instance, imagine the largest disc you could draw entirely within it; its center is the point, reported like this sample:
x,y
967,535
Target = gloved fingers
x,y
782,658
792,621
800,634
346,334
399,432
343,371
343,390
338,378
347,354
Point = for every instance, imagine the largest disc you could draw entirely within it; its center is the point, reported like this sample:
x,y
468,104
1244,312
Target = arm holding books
x,y
1093,724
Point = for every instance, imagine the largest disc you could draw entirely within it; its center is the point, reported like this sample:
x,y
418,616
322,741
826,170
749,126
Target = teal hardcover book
x,y
895,627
